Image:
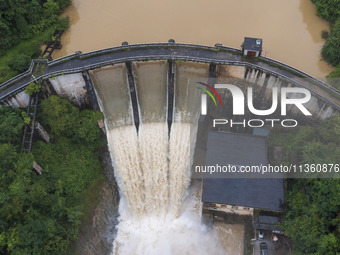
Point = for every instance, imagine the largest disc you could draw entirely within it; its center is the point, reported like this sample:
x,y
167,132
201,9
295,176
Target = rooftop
x,y
253,44
236,149
267,222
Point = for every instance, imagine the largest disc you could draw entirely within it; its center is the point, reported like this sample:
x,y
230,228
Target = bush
x,y
5,35
63,3
22,26
27,120
324,34
59,115
64,119
331,50
328,9
23,19
31,50
63,23
312,210
20,63
32,88
334,78
42,214
11,125
312,203
6,73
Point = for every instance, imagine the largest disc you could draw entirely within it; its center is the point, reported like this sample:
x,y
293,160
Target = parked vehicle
x,y
276,241
264,249
261,234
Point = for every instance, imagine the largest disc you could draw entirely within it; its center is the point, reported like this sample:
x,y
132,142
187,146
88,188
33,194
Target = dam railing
x,y
79,62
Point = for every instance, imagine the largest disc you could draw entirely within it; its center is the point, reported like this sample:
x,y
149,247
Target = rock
x,y
279,153
37,168
96,238
42,132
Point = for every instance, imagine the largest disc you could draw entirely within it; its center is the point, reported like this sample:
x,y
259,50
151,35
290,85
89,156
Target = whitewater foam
x,y
157,213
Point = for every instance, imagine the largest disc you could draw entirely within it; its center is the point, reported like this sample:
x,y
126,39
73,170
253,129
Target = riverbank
x,y
41,214
24,28
98,231
24,52
312,203
331,49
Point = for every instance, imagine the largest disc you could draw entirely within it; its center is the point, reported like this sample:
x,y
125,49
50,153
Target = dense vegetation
x,y
312,219
330,10
21,19
25,24
42,214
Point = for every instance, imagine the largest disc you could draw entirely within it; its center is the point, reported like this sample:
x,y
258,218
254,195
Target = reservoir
x,y
290,29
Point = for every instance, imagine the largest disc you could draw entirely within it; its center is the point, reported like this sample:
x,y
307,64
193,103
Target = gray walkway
x,y
219,55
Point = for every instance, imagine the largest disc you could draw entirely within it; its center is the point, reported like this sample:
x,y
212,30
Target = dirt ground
x,y
231,236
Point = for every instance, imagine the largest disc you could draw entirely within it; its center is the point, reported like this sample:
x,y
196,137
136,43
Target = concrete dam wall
x,y
78,87
69,77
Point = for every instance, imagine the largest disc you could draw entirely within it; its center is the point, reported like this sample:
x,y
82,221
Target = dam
x,y
229,63
151,106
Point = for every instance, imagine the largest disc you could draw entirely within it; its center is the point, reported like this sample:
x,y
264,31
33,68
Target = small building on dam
x,y
252,47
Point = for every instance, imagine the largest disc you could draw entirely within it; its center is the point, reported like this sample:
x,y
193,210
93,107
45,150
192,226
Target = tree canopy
x,y
11,124
63,119
24,26
42,214
331,50
330,11
312,219
21,19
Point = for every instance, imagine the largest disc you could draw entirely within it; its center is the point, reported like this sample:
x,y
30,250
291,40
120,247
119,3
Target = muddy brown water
x,y
290,29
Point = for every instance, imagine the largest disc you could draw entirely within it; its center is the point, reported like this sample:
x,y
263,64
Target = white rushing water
x,y
157,213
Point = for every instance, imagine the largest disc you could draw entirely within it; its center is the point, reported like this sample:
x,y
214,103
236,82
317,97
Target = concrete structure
x,y
71,87
261,132
240,193
268,223
252,47
67,74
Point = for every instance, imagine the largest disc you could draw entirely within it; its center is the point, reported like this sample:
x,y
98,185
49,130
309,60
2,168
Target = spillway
x,y
158,212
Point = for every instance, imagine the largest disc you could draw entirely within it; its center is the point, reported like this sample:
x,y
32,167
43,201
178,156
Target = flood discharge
x,y
158,210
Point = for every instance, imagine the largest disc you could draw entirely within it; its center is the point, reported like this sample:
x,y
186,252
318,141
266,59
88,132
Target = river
x,y
290,29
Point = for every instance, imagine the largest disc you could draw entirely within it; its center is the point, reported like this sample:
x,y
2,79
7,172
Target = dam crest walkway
x,y
78,62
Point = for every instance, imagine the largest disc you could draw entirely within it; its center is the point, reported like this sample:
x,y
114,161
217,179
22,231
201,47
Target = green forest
x,y
330,11
24,26
41,214
312,219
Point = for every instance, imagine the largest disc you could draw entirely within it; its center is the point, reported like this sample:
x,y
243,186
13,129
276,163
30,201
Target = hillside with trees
x,y
330,11
24,26
22,19
41,214
312,219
